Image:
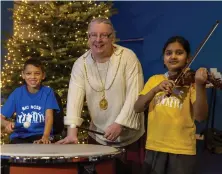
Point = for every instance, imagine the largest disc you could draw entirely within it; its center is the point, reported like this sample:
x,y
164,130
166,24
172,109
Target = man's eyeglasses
x,y
101,36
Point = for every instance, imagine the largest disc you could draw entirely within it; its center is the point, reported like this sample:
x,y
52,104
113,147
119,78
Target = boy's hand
x,y
201,76
9,127
43,140
166,86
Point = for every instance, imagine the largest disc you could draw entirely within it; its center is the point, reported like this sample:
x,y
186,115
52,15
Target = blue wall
x,y
155,22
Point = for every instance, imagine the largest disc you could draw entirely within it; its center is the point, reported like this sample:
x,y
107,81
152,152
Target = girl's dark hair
x,y
179,39
35,62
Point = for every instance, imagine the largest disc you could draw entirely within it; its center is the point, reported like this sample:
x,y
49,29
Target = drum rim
x,y
65,157
59,159
52,155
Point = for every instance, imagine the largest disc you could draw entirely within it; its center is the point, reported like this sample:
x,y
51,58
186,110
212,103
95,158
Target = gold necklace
x,y
103,102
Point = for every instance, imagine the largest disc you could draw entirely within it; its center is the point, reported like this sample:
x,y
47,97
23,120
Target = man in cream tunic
x,y
111,77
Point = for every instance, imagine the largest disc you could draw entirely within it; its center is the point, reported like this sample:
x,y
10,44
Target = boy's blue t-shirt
x,y
29,106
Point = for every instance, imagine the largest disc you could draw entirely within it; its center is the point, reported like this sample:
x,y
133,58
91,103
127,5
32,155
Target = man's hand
x,y
113,131
68,140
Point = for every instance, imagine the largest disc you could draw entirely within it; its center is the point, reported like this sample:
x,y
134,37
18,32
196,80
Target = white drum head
x,y
56,150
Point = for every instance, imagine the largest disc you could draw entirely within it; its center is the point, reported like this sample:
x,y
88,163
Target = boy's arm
x,y
8,109
48,123
8,125
4,122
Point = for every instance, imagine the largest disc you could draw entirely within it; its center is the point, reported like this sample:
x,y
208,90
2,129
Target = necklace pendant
x,y
103,104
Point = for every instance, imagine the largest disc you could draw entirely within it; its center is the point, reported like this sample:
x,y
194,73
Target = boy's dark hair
x,y
185,43
35,62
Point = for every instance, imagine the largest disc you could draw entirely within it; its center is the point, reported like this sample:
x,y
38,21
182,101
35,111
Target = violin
x,y
187,76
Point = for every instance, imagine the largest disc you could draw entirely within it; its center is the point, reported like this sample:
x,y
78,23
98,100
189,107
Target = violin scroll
x,y
215,81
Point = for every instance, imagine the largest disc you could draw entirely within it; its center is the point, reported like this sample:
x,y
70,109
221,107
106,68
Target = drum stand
x,y
4,166
107,167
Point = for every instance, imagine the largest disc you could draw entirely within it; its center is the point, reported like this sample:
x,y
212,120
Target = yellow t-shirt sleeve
x,y
193,93
148,86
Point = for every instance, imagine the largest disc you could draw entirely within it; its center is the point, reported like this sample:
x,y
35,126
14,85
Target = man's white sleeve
x,y
134,84
76,94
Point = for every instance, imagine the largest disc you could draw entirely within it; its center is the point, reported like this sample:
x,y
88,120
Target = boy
x,y
33,104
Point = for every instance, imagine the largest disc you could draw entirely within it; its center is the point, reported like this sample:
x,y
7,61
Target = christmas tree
x,y
56,32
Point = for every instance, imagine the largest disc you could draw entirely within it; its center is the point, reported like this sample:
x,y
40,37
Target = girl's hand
x,y
166,86
201,76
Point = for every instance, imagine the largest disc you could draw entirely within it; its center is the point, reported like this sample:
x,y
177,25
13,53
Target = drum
x,y
60,159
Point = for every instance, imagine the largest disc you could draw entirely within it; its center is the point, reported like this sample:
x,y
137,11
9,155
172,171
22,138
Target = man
x,y
110,76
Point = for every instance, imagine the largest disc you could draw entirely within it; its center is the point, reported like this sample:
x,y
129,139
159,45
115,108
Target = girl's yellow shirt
x,y
171,125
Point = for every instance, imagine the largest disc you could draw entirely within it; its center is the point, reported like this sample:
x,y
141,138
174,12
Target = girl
x,y
171,143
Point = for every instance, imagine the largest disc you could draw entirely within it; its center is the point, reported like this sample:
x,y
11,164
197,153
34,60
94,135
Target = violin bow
x,y
182,73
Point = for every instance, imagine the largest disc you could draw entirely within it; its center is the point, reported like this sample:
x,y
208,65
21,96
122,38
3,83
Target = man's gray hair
x,y
105,21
